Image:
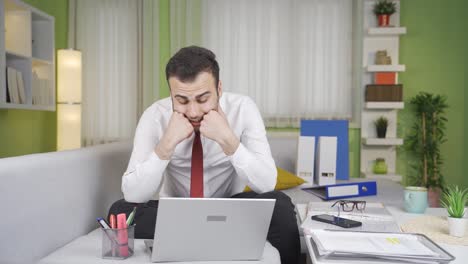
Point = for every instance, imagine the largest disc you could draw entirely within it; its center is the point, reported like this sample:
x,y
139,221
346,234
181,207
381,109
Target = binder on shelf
x,y
344,190
325,167
305,157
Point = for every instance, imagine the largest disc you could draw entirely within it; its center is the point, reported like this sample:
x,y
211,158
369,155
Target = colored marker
x,y
131,216
103,223
112,221
122,234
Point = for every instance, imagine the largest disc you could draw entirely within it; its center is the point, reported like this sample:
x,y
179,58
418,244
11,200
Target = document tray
x,y
443,256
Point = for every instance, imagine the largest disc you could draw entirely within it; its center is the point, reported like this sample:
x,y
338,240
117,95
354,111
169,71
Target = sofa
x,y
52,199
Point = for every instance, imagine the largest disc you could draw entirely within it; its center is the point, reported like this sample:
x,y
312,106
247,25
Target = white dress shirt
x,y
223,176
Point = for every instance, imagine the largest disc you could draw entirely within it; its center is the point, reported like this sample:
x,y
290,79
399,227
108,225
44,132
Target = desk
x,y
459,252
87,249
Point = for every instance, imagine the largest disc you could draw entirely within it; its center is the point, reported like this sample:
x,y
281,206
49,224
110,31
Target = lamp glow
x,y
69,73
69,76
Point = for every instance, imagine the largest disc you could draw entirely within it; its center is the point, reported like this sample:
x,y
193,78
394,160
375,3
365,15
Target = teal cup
x,y
415,199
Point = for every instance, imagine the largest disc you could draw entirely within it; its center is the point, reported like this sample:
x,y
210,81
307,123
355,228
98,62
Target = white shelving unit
x,y
27,45
379,38
386,31
384,105
392,177
386,68
382,141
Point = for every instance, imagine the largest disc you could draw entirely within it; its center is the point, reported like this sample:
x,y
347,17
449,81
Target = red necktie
x,y
196,180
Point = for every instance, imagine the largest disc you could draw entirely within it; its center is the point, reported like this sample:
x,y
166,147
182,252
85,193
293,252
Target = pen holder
x,y
117,243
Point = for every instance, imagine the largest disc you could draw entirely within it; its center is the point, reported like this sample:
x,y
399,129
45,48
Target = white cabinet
x,y
374,39
27,47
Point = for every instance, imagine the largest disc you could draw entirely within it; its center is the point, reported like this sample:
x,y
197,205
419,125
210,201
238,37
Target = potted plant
x,y
380,167
424,143
454,200
381,125
383,9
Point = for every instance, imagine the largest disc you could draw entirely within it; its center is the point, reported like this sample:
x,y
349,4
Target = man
x,y
202,142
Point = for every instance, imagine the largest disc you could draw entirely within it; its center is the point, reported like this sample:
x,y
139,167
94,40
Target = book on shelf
x,y
44,95
41,94
41,91
12,83
385,78
21,92
35,88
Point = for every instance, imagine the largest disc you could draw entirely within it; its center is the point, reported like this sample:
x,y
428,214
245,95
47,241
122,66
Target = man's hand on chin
x,y
178,129
216,127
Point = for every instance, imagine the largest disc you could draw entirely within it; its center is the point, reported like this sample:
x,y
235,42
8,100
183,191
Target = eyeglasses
x,y
348,205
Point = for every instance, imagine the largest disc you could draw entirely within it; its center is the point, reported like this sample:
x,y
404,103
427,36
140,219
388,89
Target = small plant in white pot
x,y
454,200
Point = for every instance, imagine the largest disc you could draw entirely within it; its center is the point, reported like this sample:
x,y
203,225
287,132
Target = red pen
x,y
112,221
113,225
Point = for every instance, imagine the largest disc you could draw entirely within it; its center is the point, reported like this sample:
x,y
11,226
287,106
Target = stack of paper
x,y
400,247
20,81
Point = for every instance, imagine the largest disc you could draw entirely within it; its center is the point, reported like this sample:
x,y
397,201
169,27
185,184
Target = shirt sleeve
x,y
144,173
252,160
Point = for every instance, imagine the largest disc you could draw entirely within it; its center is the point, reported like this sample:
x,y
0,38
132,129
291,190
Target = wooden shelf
x,y
386,68
388,176
384,105
382,141
386,31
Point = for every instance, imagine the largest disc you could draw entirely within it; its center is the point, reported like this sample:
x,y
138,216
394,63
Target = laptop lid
x,y
205,229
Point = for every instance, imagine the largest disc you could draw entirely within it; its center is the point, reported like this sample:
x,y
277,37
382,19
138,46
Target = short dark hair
x,y
188,62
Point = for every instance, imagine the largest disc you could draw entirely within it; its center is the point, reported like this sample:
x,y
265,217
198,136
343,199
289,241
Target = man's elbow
x,y
134,198
270,184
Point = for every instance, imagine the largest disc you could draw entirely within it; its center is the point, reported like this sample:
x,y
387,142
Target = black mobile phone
x,y
335,220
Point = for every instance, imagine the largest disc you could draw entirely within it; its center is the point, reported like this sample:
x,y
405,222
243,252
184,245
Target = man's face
x,y
195,99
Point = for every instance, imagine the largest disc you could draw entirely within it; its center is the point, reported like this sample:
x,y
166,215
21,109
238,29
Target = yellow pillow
x,y
285,180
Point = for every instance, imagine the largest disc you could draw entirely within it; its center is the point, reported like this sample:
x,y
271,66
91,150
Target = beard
x,y
195,122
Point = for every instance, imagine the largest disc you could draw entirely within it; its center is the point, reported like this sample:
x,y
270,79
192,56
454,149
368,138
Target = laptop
x,y
210,229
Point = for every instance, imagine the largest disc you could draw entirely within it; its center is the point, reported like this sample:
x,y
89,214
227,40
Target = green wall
x,y
25,131
435,51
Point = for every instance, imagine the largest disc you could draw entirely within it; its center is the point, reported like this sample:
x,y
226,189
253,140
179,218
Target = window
x,y
294,58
